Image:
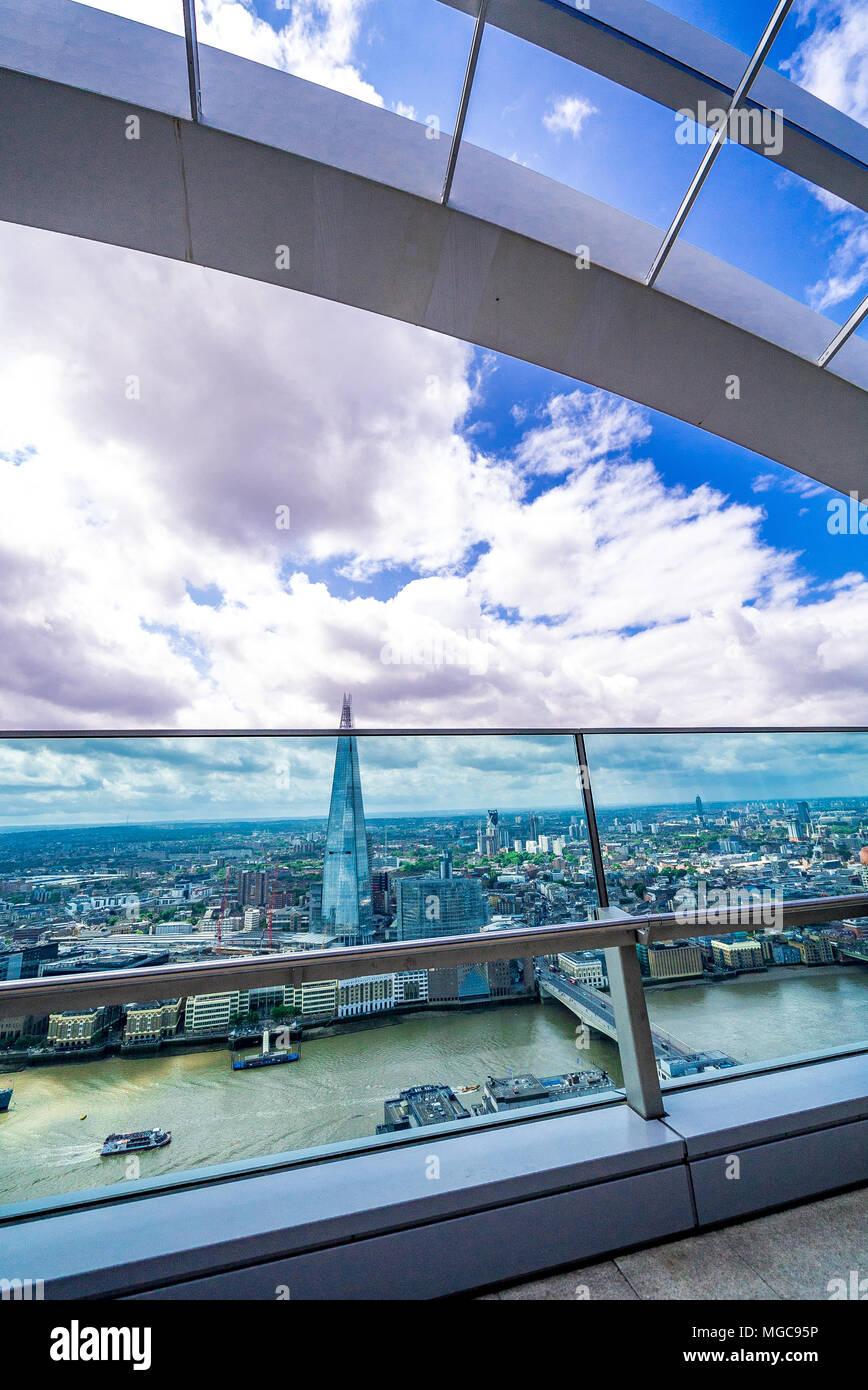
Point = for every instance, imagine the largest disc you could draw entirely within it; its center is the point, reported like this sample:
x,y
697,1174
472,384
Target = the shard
x,y
346,888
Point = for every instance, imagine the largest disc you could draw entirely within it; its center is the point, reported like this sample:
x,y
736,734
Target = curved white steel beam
x,y
662,57
496,266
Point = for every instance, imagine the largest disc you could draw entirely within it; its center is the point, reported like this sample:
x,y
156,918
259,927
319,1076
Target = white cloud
x,y
316,40
789,482
847,271
581,428
568,115
832,61
599,592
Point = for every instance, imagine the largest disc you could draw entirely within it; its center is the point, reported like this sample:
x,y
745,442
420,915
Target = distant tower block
x,y
347,903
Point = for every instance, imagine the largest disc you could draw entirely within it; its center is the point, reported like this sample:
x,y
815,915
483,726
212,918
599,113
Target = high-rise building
x,y
803,820
380,891
252,888
444,906
488,840
699,811
347,909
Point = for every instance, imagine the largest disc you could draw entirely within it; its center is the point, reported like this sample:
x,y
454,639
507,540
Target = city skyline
x,y
176,780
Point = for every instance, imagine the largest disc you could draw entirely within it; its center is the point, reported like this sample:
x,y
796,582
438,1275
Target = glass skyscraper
x,y
444,906
346,887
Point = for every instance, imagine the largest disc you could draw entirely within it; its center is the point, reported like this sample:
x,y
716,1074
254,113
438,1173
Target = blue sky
x,y
474,541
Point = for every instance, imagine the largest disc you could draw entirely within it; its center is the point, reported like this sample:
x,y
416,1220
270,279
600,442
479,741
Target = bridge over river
x,y
595,1009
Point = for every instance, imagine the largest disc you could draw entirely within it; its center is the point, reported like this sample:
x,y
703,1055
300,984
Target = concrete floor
x,y
789,1254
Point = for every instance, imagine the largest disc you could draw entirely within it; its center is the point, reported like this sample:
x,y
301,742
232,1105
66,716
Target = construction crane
x,y
223,910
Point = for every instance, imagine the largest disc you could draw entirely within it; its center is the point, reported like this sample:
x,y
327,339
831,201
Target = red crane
x,y
223,910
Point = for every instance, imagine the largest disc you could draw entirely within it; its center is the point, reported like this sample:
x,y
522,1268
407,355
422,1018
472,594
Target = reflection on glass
x,y
574,126
91,46
122,852
821,47
372,88
405,55
710,822
739,23
157,14
780,228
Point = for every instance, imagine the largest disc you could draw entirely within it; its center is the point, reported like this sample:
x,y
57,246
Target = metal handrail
x,y
615,932
532,731
21,997
297,967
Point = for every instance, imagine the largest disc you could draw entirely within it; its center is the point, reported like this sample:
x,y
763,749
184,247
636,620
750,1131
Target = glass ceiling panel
x,y
572,125
405,57
782,229
737,22
157,14
88,46
823,47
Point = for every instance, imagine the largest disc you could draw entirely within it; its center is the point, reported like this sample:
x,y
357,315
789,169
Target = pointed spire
x,y
347,712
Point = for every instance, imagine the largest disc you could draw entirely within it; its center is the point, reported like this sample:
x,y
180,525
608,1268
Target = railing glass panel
x,y
150,853
719,821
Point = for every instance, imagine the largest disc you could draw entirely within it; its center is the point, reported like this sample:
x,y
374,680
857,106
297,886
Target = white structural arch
x,y
291,183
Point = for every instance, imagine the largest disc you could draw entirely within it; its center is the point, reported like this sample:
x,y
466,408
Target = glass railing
x,y
151,855
342,941
714,822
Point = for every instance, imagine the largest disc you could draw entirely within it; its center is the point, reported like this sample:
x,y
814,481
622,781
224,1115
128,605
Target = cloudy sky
x,y
473,541
117,780
90,781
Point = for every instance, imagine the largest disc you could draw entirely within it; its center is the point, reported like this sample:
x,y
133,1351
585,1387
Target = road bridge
x,y
594,1008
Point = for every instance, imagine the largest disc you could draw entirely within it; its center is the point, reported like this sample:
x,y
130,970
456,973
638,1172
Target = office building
x,y
370,994
420,1106
670,960
429,906
587,967
252,888
738,954
150,1022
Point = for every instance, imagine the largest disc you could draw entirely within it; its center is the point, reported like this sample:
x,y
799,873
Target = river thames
x,y
336,1091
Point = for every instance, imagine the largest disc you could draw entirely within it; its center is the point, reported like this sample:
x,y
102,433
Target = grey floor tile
x,y
702,1266
594,1282
800,1251
789,1254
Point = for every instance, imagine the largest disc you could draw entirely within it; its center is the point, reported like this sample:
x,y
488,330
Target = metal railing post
x,y
464,100
189,7
629,1005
